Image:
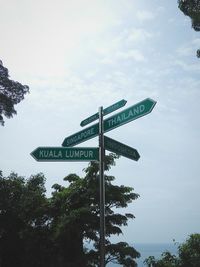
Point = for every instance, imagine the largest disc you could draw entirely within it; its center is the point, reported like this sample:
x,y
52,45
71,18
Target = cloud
x,y
44,37
196,42
138,35
122,56
187,67
189,48
132,54
185,51
124,46
145,15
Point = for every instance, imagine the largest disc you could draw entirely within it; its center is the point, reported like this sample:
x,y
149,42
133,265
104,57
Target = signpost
x,y
121,149
68,153
65,154
102,188
106,111
127,115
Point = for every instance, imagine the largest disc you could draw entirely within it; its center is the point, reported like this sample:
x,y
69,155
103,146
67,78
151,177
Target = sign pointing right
x,y
127,115
106,111
120,149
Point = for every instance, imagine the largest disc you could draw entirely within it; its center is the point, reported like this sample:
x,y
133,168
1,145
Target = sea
x,y
154,249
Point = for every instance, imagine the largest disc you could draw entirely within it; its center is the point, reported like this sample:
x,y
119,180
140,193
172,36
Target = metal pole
x,y
102,188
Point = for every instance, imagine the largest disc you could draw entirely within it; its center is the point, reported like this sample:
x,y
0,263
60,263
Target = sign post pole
x,y
102,188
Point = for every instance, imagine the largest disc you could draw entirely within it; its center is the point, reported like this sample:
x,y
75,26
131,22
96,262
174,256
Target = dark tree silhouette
x,y
24,232
188,255
191,8
11,93
79,216
37,231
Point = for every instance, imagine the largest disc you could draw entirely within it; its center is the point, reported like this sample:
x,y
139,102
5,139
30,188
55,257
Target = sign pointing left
x,y
65,154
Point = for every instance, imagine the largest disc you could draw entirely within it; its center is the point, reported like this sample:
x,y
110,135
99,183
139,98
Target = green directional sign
x,y
127,115
106,111
90,119
120,149
114,107
81,136
66,154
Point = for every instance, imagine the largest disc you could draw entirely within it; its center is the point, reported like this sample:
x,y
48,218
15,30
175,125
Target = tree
x,y
24,230
188,255
189,252
167,260
41,231
191,8
11,93
80,216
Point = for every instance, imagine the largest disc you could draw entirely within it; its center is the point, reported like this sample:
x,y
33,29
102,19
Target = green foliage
x,y
23,220
189,252
167,260
11,93
40,231
188,255
198,53
191,8
122,254
80,201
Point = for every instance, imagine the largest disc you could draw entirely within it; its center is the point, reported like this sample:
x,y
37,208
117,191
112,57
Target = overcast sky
x,y
81,54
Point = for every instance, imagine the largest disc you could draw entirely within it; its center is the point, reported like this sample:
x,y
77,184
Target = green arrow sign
x,y
65,154
120,149
127,115
81,136
106,111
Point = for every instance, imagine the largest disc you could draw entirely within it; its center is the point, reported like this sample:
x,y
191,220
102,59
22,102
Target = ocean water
x,y
147,250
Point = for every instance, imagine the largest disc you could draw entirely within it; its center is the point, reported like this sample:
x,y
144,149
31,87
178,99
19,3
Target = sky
x,y
76,56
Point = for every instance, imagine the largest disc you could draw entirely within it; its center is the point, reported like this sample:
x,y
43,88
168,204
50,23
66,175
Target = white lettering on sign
x,y
79,154
123,117
65,154
90,119
50,154
83,134
121,148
